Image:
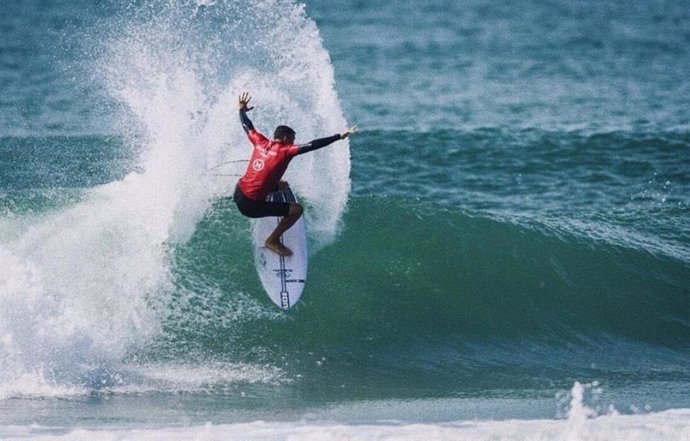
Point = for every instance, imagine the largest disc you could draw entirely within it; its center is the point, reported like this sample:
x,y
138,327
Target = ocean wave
x,y
416,298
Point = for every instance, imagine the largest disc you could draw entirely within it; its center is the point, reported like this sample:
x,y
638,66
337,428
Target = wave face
x,y
452,292
87,274
417,298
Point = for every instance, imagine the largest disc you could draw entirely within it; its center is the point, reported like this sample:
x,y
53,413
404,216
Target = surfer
x,y
268,163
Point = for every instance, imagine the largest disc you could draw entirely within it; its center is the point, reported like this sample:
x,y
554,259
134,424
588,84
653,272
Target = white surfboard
x,y
282,277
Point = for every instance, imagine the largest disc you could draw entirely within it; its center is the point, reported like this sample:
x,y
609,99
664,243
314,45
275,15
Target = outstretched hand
x,y
351,131
244,102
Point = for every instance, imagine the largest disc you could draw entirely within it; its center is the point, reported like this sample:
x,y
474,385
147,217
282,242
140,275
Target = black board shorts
x,y
251,208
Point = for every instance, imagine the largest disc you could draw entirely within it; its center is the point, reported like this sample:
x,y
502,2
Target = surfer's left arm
x,y
244,108
323,142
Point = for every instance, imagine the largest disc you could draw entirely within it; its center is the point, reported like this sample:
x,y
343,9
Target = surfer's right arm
x,y
244,108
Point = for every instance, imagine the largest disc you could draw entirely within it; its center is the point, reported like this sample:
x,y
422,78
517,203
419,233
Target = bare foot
x,y
278,248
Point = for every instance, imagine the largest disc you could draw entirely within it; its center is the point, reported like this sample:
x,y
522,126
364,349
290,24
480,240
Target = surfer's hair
x,y
283,131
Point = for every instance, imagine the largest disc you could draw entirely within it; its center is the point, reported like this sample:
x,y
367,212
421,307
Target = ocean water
x,y
502,253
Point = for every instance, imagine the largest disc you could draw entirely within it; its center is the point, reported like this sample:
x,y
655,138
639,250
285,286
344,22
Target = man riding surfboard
x,y
268,163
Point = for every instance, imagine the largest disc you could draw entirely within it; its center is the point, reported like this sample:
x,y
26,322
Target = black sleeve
x,y
317,144
246,122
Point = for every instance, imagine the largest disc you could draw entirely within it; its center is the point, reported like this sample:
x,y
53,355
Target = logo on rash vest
x,y
258,164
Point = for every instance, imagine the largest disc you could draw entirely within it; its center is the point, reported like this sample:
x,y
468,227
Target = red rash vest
x,y
270,159
267,165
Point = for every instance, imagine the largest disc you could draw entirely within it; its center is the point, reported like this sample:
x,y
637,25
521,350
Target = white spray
x,y
83,286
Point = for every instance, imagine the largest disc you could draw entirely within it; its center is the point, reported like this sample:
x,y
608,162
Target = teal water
x,y
507,238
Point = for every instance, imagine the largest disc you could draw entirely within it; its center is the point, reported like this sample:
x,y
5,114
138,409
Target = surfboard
x,y
283,278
